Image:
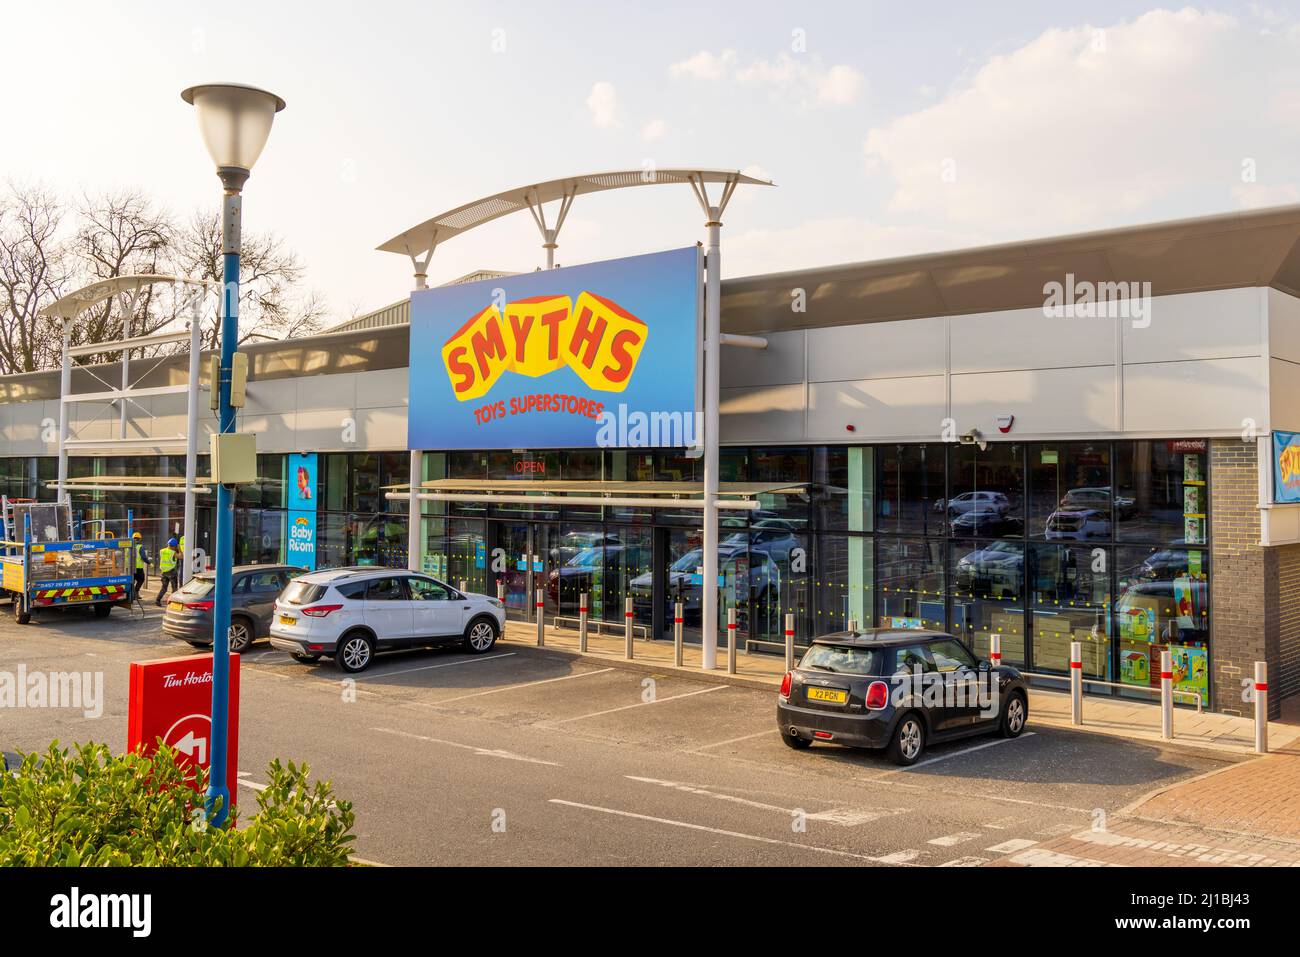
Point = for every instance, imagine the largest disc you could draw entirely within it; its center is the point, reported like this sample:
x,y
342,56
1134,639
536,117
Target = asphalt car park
x,y
524,755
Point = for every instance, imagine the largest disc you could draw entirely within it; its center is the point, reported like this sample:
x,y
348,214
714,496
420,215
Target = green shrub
x,y
84,806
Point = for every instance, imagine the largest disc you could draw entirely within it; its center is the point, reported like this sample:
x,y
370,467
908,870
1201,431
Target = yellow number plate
x,y
827,694
80,597
288,620
174,606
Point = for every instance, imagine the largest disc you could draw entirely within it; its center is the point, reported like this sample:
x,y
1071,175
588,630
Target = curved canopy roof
x,y
420,239
74,303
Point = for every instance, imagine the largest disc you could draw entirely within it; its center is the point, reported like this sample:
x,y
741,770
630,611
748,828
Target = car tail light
x,y
877,695
199,605
320,611
786,682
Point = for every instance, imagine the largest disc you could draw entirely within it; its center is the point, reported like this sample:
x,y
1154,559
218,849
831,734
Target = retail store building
x,y
938,441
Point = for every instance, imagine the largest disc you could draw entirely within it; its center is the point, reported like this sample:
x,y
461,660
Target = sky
x,y
890,129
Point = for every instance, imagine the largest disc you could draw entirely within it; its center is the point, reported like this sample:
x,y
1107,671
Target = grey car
x,y
254,589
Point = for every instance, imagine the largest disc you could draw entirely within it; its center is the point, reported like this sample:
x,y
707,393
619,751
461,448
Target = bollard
x,y
1166,696
541,619
582,622
731,640
1261,707
464,587
677,634
501,592
995,650
852,626
1076,683
789,641
627,628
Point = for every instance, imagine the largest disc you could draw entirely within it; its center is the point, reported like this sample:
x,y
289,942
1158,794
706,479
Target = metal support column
x,y
65,388
712,369
188,568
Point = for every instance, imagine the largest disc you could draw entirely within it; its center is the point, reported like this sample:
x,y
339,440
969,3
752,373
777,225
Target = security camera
x,y
973,437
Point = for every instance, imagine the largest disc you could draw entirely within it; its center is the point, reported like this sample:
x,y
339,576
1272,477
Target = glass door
x,y
685,557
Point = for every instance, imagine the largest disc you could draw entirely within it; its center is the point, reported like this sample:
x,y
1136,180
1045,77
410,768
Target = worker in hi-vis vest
x,y
141,566
182,555
166,569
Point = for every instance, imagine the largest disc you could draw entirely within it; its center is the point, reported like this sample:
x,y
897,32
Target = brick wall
x,y
1286,681
1253,590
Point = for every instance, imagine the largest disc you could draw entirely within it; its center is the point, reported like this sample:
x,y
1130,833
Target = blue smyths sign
x,y
301,503
602,355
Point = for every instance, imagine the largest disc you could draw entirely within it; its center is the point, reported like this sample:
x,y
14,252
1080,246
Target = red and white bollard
x,y
1166,696
464,587
995,650
501,592
1076,683
582,622
731,640
789,641
678,622
540,605
628,650
1261,707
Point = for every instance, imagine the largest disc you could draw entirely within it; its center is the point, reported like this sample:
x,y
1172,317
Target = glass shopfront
x,y
1042,544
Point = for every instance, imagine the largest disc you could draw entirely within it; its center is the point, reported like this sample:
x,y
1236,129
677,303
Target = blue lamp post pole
x,y
235,121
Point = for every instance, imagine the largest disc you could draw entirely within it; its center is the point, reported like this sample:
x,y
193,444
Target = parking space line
x,y
639,704
836,852
961,837
956,754
445,664
526,684
744,737
835,815
483,752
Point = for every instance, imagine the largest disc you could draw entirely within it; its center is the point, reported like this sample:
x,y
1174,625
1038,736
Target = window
x,y
1071,602
912,659
353,591
1161,491
843,581
426,589
385,589
844,489
951,656
303,593
1069,491
909,499
910,582
988,587
839,659
986,494
262,582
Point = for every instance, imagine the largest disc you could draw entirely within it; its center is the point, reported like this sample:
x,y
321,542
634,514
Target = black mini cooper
x,y
899,690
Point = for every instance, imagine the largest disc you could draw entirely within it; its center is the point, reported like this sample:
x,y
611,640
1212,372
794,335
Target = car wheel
x,y
1014,716
355,652
480,636
305,659
908,741
794,741
102,610
241,634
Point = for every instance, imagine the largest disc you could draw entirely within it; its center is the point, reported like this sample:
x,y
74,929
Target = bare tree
x,y
121,233
268,306
33,273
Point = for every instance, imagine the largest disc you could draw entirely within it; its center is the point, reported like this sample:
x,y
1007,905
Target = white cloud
x,y
1065,133
705,66
806,78
654,130
603,104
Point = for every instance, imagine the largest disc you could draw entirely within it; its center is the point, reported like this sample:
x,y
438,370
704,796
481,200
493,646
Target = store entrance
x,y
519,561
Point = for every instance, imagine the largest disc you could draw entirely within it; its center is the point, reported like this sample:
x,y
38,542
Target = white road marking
x,y
445,664
958,754
1040,857
743,737
716,830
250,784
526,684
846,816
639,704
485,752
900,857
961,837
965,862
1011,846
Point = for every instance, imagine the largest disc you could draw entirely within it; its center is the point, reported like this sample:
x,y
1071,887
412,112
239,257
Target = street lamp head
x,y
235,121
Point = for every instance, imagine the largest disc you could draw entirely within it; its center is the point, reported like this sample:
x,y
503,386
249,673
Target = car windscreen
x,y
303,593
197,587
840,660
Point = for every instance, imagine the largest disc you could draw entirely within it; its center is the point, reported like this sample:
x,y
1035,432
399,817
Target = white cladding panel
x,y
913,347
1026,339
1207,395
911,407
1045,402
1221,324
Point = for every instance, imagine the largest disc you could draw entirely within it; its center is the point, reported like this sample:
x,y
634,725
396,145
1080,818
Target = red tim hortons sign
x,y
171,700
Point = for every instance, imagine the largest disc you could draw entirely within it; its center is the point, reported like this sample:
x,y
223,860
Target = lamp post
x,y
235,121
